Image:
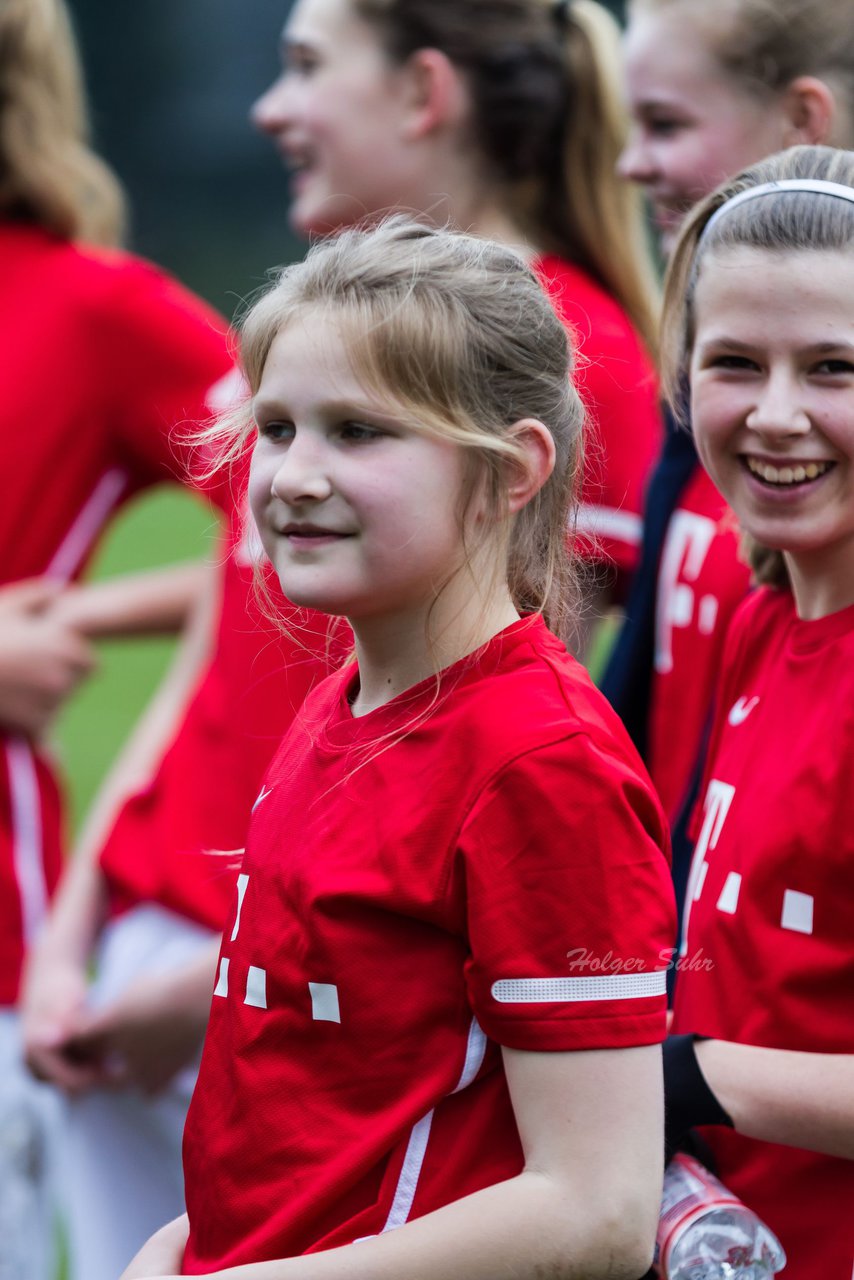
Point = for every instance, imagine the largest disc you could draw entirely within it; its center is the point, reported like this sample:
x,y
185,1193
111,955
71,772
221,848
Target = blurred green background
x,y
164,527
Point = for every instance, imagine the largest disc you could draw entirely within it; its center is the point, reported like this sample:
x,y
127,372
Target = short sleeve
x,y
165,355
570,903
625,431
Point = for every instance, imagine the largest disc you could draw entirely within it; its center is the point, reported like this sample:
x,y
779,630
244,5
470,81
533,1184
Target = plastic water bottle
x,y
706,1233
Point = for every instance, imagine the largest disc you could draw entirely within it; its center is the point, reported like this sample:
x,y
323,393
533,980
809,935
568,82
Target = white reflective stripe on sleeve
x,y
612,986
86,526
27,852
410,1172
609,522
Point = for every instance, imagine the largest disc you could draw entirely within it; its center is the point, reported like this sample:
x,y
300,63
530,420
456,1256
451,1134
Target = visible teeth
x,y
786,475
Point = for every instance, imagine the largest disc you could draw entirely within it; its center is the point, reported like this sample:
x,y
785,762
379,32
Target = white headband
x,y
816,185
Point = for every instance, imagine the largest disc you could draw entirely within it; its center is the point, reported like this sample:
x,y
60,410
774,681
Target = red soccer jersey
x,y
166,842
617,382
104,357
701,582
770,913
473,865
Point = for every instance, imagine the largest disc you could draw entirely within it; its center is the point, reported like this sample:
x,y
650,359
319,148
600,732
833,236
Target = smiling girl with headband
x,y
404,1072
759,317
712,89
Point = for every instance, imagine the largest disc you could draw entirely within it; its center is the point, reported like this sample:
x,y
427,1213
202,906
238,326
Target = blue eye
x,y
277,431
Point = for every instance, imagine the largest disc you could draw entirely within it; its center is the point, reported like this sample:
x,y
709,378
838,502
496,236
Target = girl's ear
x,y
434,94
537,463
810,110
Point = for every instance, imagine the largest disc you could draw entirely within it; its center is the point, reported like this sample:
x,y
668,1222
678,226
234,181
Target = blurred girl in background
x,y
504,119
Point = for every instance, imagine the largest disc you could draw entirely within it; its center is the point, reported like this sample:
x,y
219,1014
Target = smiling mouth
x,y
310,533
788,476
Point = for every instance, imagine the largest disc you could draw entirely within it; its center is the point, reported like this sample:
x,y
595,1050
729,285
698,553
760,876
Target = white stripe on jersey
x,y
612,986
27,855
86,526
610,522
416,1148
407,1183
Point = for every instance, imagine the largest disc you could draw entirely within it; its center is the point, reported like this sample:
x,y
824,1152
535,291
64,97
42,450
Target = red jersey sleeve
x,y
570,902
617,382
164,354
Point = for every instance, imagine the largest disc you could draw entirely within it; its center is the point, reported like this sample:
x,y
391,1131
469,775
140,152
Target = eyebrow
x,y
740,348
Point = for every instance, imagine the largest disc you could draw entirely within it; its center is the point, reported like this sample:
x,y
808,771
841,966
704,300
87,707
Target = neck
x,y
822,582
478,204
394,654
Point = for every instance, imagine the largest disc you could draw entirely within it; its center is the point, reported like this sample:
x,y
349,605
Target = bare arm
x,y
780,1095
153,1029
584,1207
42,657
56,978
157,601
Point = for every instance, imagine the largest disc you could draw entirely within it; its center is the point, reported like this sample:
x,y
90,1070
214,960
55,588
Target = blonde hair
x,y
766,44
549,118
48,173
787,221
457,334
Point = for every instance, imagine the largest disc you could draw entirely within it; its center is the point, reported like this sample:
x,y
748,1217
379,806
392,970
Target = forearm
x,y
158,601
148,741
779,1095
530,1226
75,918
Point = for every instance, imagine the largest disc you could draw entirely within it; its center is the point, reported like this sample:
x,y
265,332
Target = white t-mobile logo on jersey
x,y
256,979
686,547
719,798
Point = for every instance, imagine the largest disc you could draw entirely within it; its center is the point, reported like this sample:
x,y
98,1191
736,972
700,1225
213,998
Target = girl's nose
x,y
635,163
302,475
778,410
269,113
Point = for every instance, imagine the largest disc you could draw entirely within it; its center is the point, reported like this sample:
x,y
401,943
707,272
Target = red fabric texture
x,y
617,382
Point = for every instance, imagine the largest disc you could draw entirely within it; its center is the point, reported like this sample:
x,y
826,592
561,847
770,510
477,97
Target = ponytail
x,y
548,117
588,209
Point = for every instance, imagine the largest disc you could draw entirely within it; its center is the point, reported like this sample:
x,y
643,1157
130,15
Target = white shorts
x,y
124,1177
29,1131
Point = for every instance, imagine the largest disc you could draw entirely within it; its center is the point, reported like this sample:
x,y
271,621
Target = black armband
x,y
688,1100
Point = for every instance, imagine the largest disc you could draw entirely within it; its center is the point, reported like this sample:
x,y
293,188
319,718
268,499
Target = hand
x,y
53,1003
163,1254
42,659
147,1035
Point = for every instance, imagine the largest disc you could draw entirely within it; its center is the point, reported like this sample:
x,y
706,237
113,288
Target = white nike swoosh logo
x,y
265,791
741,709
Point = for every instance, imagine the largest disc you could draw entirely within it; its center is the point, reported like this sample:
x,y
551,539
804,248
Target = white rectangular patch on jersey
x,y
728,901
797,911
221,988
256,987
324,1002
